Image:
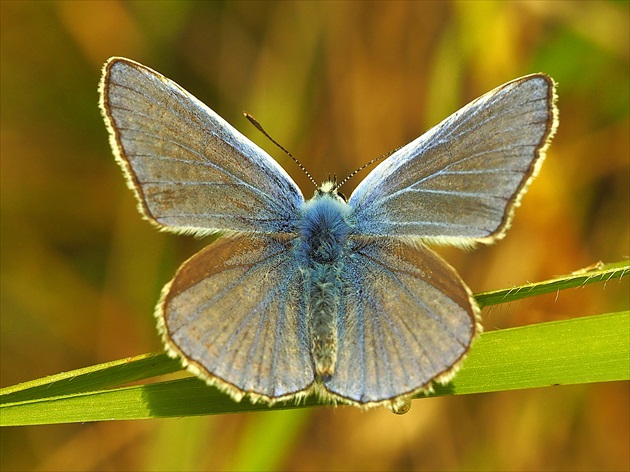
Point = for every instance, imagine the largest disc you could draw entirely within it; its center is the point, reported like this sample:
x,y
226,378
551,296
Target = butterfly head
x,y
330,188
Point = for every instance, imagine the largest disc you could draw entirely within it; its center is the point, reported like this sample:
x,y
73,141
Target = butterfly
x,y
324,296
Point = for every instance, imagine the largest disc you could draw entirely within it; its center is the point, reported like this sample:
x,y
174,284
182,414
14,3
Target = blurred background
x,y
337,83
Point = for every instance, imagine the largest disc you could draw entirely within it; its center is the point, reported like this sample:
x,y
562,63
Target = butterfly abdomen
x,y
324,235
322,309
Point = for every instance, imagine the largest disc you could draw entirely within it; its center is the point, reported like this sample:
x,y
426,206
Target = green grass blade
x,y
580,350
96,377
577,351
577,279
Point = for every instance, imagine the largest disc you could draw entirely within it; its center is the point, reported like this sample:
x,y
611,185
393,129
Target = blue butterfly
x,y
326,296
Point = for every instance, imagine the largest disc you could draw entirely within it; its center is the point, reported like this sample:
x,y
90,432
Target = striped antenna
x,y
260,128
376,159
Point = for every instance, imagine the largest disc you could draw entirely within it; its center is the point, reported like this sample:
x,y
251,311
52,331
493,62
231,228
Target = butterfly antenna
x,y
379,158
253,121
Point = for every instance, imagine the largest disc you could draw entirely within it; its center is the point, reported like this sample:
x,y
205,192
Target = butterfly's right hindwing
x,y
406,320
190,170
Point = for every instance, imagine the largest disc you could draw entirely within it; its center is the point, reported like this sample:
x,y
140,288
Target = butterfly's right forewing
x,y
459,182
190,170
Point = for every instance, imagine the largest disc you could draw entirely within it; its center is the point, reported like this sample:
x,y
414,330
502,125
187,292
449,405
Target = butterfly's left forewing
x,y
191,171
235,312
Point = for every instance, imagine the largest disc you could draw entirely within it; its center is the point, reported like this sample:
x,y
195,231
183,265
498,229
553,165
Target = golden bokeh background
x,y
337,83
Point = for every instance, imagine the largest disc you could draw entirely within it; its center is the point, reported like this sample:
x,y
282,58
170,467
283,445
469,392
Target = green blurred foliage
x,y
337,83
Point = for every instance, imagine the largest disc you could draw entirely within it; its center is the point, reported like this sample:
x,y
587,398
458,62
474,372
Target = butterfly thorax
x,y
325,227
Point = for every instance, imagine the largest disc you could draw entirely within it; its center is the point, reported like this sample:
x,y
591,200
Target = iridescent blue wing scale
x,y
236,313
190,170
459,182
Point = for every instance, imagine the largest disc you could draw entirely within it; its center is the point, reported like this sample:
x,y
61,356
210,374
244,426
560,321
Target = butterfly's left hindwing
x,y
235,312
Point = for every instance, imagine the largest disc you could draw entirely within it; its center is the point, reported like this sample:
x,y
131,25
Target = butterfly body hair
x,y
321,249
